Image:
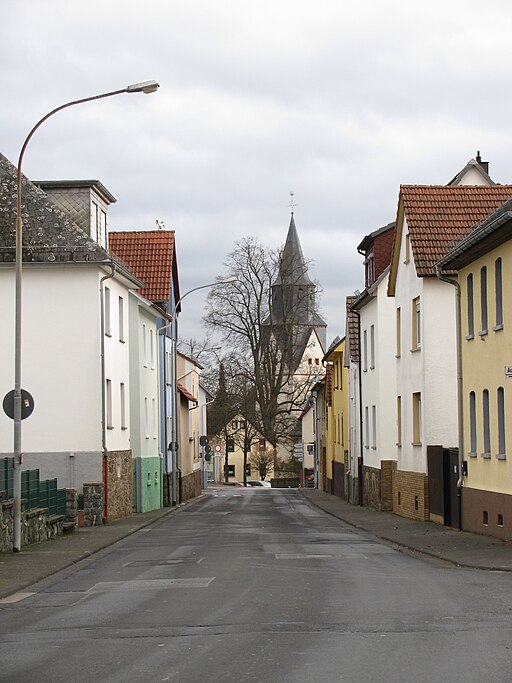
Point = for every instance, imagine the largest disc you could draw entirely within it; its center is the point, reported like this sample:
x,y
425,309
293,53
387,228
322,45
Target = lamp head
x,y
146,87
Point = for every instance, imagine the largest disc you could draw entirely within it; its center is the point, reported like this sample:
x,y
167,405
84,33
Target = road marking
x,y
15,597
300,556
151,584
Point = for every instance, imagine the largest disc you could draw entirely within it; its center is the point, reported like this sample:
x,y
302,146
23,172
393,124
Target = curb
x,y
407,546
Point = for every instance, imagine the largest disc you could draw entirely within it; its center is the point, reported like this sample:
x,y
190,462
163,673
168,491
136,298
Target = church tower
x,y
293,316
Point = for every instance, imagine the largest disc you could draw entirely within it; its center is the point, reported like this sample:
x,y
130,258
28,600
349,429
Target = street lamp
x,y
144,87
173,443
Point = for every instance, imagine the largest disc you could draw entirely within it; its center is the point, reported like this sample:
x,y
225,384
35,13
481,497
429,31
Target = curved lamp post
x,y
173,443
144,87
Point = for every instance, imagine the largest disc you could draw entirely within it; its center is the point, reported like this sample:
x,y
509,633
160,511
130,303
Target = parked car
x,y
256,483
310,481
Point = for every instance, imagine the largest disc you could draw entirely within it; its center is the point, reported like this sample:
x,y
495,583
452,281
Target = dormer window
x,y
369,269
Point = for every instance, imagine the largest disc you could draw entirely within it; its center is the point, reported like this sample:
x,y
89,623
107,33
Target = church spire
x,y
293,269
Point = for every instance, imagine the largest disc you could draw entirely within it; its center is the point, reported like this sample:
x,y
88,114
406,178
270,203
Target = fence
x,y
36,493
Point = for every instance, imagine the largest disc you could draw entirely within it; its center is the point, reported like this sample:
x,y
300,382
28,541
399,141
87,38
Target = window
x,y
152,347
365,350
121,319
154,416
231,445
366,428
310,361
317,361
107,312
108,399
231,470
498,281
146,416
369,267
122,395
483,300
398,332
94,221
486,424
374,427
144,346
472,423
340,370
407,248
501,423
262,444
102,228
471,311
234,424
398,420
416,323
372,347
416,419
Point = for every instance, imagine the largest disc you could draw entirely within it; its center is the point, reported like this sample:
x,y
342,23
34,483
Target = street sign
x,y
217,448
27,404
508,371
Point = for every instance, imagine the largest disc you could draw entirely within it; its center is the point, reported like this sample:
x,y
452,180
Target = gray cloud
x,y
338,103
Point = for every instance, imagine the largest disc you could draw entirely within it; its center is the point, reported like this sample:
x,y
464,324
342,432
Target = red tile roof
x,y
186,393
352,330
439,216
149,254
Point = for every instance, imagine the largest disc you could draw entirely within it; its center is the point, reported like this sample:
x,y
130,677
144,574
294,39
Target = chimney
x,y
483,164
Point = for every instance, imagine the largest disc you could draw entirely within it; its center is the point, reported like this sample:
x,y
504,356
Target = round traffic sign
x,y
27,404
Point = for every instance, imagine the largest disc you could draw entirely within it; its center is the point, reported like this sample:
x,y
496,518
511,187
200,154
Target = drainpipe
x,y
103,391
360,388
460,480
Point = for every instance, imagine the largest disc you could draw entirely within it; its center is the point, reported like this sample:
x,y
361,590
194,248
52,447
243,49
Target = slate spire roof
x,y
293,269
48,234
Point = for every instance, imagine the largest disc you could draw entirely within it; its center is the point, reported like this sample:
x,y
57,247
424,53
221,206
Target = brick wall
x,y
120,478
410,495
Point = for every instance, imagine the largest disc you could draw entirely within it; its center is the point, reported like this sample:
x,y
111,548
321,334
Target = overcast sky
x,y
339,102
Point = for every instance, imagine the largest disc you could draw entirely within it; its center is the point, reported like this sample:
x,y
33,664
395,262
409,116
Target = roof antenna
x,y
160,224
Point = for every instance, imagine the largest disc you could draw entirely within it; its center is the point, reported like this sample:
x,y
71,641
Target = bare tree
x,y
265,331
263,461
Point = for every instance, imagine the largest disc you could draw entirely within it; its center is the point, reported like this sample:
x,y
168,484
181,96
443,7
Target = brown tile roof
x,y
328,385
149,254
186,393
352,332
439,216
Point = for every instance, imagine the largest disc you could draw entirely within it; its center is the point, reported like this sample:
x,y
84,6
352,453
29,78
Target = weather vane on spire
x,y
292,204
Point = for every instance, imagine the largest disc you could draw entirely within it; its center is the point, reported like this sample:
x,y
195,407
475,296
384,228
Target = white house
x,y
75,357
377,342
429,220
145,403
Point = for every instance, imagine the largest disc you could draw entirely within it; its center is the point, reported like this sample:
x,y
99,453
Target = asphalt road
x,y
257,585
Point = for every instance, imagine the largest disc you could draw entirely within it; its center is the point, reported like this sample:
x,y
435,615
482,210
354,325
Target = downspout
x,y
360,387
455,283
103,392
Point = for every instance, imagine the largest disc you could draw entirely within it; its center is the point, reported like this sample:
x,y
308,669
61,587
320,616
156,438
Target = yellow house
x,y
337,418
231,442
484,264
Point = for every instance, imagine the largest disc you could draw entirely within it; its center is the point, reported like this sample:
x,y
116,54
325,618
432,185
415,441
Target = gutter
x,y
460,480
103,391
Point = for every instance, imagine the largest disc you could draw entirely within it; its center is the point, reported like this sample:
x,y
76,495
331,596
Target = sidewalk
x,y
36,562
458,547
